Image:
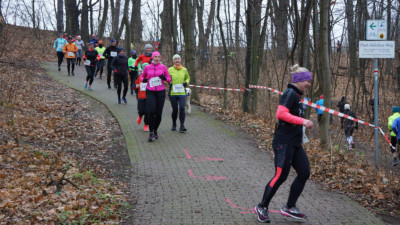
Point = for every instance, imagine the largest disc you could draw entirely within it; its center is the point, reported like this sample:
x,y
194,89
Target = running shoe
x,y
139,120
173,128
395,162
293,212
119,101
73,74
90,89
59,69
156,135
85,86
69,74
123,98
182,129
151,137
262,213
101,78
146,128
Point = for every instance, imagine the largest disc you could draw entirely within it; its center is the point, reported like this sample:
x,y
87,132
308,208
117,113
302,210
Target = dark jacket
x,y
109,51
120,65
341,104
350,122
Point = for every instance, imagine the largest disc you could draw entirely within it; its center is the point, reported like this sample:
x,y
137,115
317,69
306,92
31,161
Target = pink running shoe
x,y
139,120
146,128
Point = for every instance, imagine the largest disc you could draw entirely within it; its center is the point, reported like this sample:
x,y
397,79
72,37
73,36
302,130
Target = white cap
x,y
347,106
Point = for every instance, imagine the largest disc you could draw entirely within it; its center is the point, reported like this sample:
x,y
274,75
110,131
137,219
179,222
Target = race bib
x,y
101,55
87,62
155,81
70,54
143,86
113,54
177,88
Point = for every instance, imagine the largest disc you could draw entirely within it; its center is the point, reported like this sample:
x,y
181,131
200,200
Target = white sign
x,y
376,30
376,49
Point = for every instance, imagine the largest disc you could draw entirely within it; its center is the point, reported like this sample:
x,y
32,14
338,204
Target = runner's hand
x,y
162,77
308,124
145,80
184,84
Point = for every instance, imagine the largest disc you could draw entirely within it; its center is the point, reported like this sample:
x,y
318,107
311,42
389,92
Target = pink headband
x,y
155,53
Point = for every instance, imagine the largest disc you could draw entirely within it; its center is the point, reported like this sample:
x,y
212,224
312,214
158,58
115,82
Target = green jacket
x,y
390,122
178,77
131,63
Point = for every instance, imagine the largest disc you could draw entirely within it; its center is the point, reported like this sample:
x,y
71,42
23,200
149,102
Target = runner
x,y
70,49
90,58
156,74
146,57
133,73
100,64
120,67
393,136
110,53
287,147
349,126
141,97
93,40
79,43
177,94
59,45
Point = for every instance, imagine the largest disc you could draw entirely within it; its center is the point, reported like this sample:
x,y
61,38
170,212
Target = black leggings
x,y
285,157
141,110
119,79
69,62
393,141
178,100
133,76
90,74
154,107
100,66
109,72
60,56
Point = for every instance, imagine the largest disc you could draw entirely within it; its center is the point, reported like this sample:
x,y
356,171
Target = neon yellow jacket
x,y
390,122
178,77
101,51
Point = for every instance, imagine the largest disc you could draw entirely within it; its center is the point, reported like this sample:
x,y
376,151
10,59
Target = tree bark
x,y
326,72
204,35
187,19
84,21
166,25
72,17
103,21
60,16
281,23
221,29
115,9
136,21
237,19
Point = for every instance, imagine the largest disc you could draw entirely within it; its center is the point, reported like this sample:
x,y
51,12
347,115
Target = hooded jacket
x,y
120,65
390,122
153,71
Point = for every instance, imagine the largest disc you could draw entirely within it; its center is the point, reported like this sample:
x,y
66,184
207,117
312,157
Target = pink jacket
x,y
151,71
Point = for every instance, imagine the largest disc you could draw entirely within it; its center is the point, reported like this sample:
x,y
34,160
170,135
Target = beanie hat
x,y
346,106
301,76
133,52
176,56
148,46
100,42
144,65
396,109
121,49
155,53
112,40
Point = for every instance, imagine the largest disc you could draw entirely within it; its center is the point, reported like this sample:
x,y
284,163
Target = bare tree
x,y
103,21
136,21
221,29
115,11
60,16
204,34
281,24
326,72
84,21
237,20
72,13
187,15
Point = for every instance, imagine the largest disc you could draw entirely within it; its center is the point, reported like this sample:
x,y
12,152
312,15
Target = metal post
x,y
376,94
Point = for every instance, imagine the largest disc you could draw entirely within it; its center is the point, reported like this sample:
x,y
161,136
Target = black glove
x,y
135,68
184,84
162,77
144,80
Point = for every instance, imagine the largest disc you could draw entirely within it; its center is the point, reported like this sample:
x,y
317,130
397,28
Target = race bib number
x,y
113,54
101,55
143,86
70,54
87,62
177,88
155,81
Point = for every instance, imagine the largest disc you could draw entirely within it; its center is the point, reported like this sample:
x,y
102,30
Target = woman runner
x,y
287,147
90,58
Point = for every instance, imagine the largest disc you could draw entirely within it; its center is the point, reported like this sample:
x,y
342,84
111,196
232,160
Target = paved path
x,y
213,174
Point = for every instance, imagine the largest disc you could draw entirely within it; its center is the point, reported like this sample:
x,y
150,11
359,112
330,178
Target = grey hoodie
x,y
79,44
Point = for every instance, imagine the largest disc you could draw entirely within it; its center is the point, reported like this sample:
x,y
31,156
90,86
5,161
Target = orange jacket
x,y
141,94
70,50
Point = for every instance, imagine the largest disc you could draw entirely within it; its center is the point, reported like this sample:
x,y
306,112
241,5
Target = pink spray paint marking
x,y
207,177
250,211
203,158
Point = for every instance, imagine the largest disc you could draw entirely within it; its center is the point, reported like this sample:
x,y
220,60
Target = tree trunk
x,y
304,41
237,20
136,21
60,16
115,11
326,73
187,19
91,16
352,42
221,29
281,23
72,17
103,21
166,25
204,35
84,21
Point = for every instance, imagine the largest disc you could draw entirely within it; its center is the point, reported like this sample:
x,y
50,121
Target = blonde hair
x,y
297,69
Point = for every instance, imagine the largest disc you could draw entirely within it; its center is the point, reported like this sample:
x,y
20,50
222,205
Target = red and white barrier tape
x,y
217,88
328,110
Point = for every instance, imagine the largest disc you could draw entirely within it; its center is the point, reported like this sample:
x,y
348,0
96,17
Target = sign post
x,y
376,47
